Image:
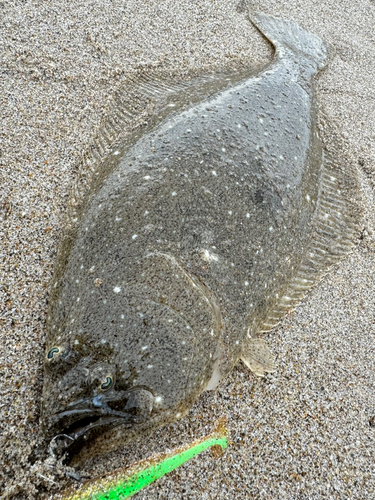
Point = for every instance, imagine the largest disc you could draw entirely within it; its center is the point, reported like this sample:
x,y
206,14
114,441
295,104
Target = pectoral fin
x,y
258,357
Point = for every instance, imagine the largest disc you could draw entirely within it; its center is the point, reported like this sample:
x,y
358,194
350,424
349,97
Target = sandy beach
x,y
306,431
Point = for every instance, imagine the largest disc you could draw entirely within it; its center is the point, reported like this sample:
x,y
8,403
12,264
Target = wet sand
x,y
304,432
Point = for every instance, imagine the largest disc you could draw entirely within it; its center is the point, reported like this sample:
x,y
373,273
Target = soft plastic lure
x,y
124,483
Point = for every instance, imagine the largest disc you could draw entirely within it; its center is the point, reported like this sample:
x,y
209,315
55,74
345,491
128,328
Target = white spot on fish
x,y
210,256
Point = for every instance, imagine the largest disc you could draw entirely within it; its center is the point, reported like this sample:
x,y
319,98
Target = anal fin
x,y
336,226
258,358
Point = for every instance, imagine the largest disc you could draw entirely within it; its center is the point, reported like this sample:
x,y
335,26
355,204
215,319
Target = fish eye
x,y
107,384
53,353
57,352
102,377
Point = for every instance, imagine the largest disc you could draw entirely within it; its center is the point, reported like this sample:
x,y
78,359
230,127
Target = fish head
x,y
120,379
84,402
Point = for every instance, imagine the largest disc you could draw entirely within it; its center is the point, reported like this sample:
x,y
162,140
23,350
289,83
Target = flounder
x,y
202,233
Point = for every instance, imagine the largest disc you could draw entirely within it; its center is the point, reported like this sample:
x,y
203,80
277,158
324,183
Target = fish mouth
x,y
85,419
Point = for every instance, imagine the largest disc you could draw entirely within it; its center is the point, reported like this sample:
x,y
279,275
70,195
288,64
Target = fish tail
x,y
288,36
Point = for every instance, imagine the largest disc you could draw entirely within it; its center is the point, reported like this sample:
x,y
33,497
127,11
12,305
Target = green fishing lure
x,y
124,483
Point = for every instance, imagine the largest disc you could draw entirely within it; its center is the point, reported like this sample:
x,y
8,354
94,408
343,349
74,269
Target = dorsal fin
x,y
137,106
336,226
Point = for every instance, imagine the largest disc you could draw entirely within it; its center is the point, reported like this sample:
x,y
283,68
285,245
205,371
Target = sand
x,y
304,432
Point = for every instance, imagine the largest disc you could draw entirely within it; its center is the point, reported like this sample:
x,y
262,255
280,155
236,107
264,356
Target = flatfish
x,y
203,231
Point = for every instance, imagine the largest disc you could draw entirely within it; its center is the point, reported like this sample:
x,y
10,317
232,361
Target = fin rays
x,y
140,97
336,223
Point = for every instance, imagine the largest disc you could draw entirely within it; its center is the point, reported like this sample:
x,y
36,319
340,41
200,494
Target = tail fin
x,y
287,34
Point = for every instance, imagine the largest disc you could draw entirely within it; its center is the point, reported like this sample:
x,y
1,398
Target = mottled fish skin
x,y
191,239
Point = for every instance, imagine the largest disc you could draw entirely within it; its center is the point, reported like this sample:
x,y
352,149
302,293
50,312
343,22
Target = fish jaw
x,y
83,420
